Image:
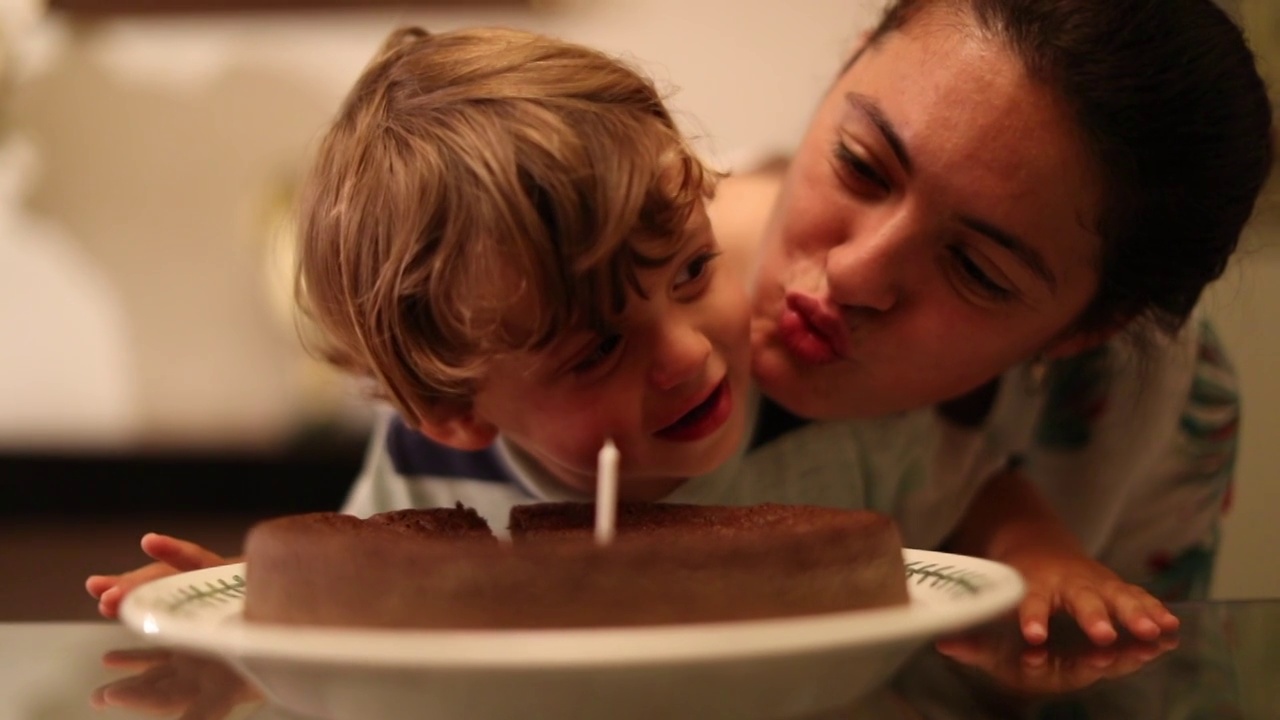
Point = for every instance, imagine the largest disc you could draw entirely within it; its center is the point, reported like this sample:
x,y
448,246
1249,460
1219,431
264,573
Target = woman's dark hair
x,y
1168,97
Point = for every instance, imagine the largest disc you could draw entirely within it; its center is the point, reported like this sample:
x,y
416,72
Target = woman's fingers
x,y
1142,614
1033,617
1135,614
1086,605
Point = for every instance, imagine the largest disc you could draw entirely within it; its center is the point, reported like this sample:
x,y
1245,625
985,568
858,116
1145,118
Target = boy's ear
x,y
459,428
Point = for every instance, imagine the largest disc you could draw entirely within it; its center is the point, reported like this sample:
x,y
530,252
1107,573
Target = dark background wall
x,y
64,516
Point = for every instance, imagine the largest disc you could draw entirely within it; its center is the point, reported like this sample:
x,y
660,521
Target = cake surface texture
x,y
668,563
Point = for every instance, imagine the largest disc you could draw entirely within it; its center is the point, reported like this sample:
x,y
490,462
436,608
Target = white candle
x,y
606,492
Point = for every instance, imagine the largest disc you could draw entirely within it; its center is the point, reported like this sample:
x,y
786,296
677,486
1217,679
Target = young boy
x,y
506,236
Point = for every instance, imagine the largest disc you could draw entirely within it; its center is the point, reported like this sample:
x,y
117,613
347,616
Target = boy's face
x,y
670,385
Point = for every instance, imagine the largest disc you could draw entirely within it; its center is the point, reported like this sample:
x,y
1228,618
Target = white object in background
x,y
606,492
66,375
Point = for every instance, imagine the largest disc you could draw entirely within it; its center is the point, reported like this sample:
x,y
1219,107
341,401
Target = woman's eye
x,y
854,167
977,278
695,268
607,346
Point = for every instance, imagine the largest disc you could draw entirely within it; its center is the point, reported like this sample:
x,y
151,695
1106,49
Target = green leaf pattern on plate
x,y
224,591
954,581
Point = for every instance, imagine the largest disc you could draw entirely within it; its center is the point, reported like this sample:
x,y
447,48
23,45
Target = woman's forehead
x,y
976,135
963,103
942,78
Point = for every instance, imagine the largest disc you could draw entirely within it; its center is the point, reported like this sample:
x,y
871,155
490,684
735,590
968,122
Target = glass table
x,y
1223,664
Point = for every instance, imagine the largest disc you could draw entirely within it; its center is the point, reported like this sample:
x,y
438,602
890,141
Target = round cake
x,y
668,563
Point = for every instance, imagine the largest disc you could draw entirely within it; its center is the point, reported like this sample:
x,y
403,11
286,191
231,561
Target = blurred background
x,y
150,376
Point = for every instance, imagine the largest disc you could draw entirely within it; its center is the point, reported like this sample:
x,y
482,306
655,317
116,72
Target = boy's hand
x,y
168,683
172,556
1089,592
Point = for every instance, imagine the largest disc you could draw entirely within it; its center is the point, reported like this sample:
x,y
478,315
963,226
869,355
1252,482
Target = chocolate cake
x,y
443,568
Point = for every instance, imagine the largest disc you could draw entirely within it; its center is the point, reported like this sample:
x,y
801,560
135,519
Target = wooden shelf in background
x,y
160,7
92,484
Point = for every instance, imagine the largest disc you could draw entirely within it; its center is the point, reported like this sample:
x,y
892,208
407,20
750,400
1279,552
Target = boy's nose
x,y
679,356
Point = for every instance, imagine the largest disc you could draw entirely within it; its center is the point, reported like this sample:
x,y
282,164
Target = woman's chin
x,y
808,392
787,386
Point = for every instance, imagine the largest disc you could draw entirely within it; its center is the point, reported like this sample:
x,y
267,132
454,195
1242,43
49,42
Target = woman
x,y
1003,214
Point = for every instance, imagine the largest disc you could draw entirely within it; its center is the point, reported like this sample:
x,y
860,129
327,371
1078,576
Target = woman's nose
x,y
680,354
868,269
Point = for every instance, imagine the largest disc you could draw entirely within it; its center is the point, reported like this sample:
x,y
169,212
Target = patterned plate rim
x,y
200,610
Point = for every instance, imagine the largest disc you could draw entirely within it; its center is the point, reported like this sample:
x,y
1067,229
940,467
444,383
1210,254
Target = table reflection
x,y
1221,665
168,683
992,673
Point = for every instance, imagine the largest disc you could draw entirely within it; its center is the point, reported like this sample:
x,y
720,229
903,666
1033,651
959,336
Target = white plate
x,y
755,670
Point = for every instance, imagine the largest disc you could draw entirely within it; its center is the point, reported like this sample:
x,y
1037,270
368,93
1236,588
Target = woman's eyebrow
x,y
871,109
1020,248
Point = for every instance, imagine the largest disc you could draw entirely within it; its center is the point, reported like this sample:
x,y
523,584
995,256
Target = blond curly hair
x,y
472,172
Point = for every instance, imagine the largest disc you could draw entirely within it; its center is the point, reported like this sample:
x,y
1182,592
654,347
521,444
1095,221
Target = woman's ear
x,y
1081,341
459,428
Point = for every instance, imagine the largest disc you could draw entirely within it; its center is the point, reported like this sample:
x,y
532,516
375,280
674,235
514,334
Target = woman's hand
x,y
172,556
1062,666
1068,581
1009,522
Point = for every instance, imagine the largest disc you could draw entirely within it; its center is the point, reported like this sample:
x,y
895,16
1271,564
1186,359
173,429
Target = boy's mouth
x,y
703,419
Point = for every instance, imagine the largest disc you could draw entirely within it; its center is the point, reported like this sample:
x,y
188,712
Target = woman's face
x,y
933,230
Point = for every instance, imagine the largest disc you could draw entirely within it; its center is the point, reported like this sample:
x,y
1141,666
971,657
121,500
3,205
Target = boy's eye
x,y
853,168
695,269
978,279
598,354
